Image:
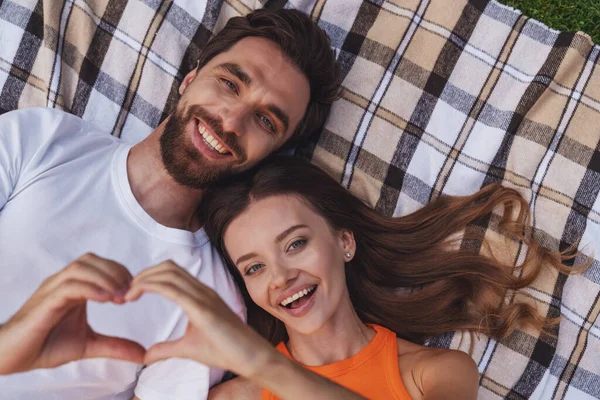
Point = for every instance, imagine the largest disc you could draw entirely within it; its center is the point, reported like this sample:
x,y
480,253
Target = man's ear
x,y
186,81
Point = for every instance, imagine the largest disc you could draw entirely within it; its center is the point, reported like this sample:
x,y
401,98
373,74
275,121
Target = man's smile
x,y
208,143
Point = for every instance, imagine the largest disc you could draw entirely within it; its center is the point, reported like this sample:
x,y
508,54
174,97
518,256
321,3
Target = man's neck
x,y
166,201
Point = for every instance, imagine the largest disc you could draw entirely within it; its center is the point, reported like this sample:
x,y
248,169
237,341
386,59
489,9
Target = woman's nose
x,y
282,275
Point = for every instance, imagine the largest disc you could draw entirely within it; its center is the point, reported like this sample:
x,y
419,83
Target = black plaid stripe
x,y
23,61
543,353
532,94
395,174
193,51
91,67
134,81
476,112
433,89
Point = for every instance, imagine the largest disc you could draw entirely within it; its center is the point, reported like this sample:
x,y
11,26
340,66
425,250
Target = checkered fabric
x,y
441,96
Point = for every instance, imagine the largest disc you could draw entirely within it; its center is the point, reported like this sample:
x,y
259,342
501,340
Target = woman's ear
x,y
348,244
186,81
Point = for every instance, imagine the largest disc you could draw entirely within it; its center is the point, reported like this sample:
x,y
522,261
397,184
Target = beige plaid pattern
x,y
439,96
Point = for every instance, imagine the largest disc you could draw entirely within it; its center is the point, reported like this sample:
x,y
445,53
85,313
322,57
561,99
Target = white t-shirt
x,y
64,191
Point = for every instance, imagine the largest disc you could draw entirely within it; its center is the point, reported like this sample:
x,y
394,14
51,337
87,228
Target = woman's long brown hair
x,y
447,284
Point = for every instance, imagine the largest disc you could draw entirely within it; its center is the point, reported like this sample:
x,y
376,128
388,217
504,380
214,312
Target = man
x,y
265,81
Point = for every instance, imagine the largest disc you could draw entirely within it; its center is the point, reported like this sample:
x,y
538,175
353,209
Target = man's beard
x,y
184,162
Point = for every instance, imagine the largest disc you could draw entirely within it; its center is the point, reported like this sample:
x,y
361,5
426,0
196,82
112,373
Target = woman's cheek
x,y
258,293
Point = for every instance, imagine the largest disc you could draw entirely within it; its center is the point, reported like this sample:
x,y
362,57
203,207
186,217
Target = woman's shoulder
x,y
427,371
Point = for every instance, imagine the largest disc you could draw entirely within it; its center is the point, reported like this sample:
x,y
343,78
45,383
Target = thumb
x,y
115,348
164,350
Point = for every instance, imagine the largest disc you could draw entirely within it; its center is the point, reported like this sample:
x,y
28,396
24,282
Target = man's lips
x,y
209,135
208,149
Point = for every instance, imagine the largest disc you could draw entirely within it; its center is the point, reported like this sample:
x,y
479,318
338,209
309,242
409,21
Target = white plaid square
x,y
524,60
446,123
470,74
483,142
464,180
426,163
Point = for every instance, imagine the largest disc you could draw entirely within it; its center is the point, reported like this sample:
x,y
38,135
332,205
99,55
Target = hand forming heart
x,y
51,328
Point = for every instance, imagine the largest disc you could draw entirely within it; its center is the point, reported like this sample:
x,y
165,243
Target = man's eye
x,y
253,268
230,84
297,244
267,123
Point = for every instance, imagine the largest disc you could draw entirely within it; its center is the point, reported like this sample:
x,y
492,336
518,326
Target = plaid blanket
x,y
440,97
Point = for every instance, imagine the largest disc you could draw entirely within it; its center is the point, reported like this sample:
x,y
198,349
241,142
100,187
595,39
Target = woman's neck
x,y
343,336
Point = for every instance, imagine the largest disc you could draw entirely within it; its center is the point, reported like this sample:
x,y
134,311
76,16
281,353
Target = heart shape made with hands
x,y
52,327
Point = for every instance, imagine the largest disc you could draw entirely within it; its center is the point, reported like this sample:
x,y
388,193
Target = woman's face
x,y
292,261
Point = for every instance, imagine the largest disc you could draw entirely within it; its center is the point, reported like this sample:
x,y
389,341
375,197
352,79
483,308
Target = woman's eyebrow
x,y
288,231
245,257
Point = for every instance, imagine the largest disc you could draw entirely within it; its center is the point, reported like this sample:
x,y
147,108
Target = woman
x,y
322,275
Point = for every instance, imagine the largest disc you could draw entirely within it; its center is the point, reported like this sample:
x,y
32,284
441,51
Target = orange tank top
x,y
373,372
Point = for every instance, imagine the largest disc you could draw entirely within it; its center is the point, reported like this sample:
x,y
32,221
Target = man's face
x,y
240,107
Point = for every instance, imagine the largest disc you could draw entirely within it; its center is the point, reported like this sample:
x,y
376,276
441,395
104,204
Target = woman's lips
x,y
305,307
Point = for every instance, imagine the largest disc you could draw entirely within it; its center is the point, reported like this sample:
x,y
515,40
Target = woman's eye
x,y
297,244
254,268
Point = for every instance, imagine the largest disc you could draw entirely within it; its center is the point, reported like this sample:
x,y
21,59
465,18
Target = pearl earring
x,y
348,255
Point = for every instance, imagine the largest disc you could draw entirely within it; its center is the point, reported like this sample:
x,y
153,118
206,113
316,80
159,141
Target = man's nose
x,y
236,118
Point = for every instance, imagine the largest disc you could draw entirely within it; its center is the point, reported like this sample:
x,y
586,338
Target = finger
x,y
190,304
119,272
71,292
84,272
188,285
162,351
115,348
160,268
81,290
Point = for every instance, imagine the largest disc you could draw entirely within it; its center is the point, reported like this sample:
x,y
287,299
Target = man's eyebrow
x,y
237,71
285,233
280,115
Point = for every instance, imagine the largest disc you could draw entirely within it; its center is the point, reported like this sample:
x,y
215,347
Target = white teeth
x,y
298,295
210,140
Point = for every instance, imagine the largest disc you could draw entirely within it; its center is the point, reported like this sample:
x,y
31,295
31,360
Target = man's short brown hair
x,y
304,43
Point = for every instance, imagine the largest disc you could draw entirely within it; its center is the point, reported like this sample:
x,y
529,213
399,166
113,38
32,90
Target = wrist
x,y
263,363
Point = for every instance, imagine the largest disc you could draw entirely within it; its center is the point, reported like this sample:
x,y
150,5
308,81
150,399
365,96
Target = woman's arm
x,y
215,336
237,388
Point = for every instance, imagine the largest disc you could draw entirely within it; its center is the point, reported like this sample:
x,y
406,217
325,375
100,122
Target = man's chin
x,y
199,177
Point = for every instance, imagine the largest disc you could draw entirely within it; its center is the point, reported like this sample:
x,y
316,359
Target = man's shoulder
x,y
39,124
34,114
37,127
